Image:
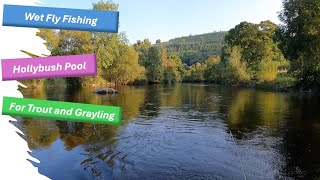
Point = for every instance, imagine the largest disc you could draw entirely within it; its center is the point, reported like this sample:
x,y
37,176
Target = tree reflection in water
x,y
168,129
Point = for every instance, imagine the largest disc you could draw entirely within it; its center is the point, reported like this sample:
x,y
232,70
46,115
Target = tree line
x,y
251,54
196,48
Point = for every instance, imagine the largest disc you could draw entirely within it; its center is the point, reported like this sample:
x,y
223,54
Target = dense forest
x,y
255,55
196,48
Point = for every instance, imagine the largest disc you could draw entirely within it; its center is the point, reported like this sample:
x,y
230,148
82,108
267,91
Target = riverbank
x,y
282,83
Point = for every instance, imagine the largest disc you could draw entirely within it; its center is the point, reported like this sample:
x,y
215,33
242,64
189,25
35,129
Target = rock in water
x,y
106,91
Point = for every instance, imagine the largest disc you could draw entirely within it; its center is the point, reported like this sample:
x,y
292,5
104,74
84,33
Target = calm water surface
x,y
181,132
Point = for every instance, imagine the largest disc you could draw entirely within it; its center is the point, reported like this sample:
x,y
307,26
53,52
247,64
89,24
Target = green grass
x,y
283,82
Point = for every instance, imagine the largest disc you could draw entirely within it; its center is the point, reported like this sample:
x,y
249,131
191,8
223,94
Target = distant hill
x,y
196,48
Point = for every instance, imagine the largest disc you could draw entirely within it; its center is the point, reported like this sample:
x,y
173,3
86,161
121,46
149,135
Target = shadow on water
x,y
180,132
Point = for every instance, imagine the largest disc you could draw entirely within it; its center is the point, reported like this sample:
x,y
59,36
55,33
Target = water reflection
x,y
301,137
181,132
249,109
40,134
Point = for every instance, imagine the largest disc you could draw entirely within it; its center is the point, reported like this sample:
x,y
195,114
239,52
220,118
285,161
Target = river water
x,y
183,131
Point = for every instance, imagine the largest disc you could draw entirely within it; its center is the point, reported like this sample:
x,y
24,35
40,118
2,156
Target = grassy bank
x,y
281,83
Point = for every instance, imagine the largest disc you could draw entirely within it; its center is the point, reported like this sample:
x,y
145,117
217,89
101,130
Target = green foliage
x,y
198,48
248,53
54,82
213,60
259,49
196,73
73,42
208,37
117,62
174,69
126,68
105,5
236,71
282,82
50,36
107,50
154,65
214,72
257,42
268,70
300,40
142,47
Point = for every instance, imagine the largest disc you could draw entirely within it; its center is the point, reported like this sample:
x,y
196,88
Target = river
x,y
183,131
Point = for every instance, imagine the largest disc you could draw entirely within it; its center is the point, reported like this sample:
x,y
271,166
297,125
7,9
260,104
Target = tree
x,y
215,70
106,44
173,69
258,46
112,51
170,73
197,48
51,38
236,71
268,70
142,47
74,42
196,72
213,60
108,5
301,40
66,42
154,65
126,68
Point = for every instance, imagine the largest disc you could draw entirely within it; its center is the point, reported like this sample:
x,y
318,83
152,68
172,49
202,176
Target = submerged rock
x,y
106,91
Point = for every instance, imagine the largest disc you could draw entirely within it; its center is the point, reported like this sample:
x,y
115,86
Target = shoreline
x,y
263,87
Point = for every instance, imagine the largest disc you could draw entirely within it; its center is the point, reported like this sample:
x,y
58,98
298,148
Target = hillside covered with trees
x,y
195,48
249,54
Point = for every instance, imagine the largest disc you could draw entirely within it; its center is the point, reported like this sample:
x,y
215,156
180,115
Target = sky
x,y
168,19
